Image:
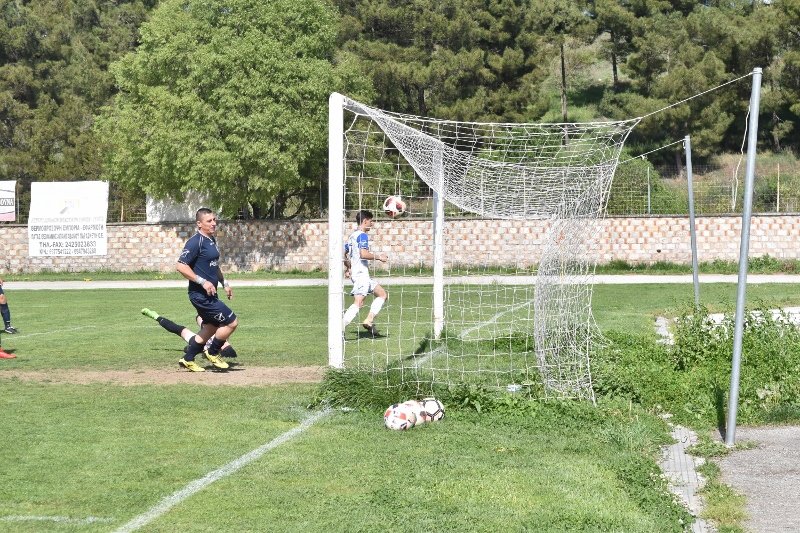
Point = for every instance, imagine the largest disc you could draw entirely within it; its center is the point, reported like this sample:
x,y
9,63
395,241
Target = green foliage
x,y
228,98
637,182
460,59
54,78
691,378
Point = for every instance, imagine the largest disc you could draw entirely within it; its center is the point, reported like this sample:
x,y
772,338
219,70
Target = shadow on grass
x,y
719,405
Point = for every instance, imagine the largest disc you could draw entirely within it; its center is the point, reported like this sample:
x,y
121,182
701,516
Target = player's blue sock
x,y
6,313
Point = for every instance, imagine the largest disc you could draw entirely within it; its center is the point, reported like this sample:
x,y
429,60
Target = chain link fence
x,y
718,189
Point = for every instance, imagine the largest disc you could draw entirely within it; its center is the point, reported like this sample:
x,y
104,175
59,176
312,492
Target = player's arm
x,y
346,261
369,255
365,253
186,271
225,284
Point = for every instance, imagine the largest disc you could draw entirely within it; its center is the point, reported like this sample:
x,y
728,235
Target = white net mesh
x,y
518,203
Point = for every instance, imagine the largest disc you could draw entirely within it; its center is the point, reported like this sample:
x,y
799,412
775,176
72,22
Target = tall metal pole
x,y
744,248
687,144
335,229
438,249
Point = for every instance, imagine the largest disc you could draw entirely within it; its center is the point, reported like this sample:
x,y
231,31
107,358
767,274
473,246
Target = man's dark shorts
x,y
211,309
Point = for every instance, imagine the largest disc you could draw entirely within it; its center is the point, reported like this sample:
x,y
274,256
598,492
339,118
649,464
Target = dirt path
x,y
768,476
236,376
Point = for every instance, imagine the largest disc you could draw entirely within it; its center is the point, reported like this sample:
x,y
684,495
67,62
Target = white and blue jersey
x,y
359,268
357,241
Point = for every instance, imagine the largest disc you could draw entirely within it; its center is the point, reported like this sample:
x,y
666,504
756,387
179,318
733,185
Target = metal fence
x,y
717,190
643,191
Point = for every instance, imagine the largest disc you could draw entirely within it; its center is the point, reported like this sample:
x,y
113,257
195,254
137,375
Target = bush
x,y
691,379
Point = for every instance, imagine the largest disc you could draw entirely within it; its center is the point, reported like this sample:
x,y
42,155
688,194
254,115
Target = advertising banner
x,y
68,219
8,201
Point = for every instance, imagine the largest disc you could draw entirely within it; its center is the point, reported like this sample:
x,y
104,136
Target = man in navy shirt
x,y
5,312
199,263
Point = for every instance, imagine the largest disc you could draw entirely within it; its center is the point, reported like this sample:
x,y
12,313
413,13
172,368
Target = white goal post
x,y
489,270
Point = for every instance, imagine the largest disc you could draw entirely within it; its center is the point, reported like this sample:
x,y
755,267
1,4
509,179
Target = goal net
x,y
489,269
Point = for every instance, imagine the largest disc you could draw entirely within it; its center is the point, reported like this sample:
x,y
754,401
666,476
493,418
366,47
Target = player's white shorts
x,y
363,285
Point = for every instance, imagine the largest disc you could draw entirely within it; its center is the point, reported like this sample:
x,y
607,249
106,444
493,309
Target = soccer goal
x,y
490,267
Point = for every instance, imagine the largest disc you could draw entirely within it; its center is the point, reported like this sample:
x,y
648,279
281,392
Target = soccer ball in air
x,y
394,206
432,409
399,416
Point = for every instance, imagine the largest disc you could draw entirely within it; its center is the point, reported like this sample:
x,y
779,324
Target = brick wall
x,y
287,245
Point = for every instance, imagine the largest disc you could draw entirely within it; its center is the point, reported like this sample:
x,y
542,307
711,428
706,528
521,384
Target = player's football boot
x,y
215,360
5,355
371,328
191,366
149,312
11,329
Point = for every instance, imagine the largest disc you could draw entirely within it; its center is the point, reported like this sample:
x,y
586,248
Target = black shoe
x,y
11,329
371,328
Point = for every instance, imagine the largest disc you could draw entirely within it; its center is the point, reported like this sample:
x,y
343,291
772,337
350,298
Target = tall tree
x,y
462,59
228,98
54,56
787,113
672,62
615,18
559,21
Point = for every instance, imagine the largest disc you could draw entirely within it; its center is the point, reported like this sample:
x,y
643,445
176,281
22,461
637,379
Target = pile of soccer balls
x,y
412,413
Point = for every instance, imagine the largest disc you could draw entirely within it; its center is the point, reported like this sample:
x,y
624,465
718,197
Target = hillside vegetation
x,y
229,98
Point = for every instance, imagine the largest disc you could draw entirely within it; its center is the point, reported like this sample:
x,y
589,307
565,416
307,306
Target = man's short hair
x,y
363,215
201,212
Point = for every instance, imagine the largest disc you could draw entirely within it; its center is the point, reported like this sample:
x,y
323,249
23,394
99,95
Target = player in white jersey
x,y
356,262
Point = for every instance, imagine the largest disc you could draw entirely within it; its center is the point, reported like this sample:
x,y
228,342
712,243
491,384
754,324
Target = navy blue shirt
x,y
201,253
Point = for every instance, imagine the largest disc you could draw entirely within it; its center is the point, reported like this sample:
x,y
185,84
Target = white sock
x,y
350,314
376,306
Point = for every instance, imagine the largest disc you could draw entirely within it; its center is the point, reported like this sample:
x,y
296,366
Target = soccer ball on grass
x,y
432,409
394,206
400,416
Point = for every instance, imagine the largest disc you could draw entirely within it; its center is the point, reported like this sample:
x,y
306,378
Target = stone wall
x,y
287,245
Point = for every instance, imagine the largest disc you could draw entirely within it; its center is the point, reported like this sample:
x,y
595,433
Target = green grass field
x,y
93,457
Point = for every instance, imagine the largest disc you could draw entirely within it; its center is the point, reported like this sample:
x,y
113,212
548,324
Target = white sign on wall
x,y
68,219
8,201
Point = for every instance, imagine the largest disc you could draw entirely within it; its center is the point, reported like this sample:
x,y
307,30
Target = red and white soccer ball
x,y
416,408
432,409
399,416
394,206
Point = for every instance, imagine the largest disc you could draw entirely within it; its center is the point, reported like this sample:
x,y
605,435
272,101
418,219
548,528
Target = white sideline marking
x,y
199,484
60,519
440,349
26,335
492,320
